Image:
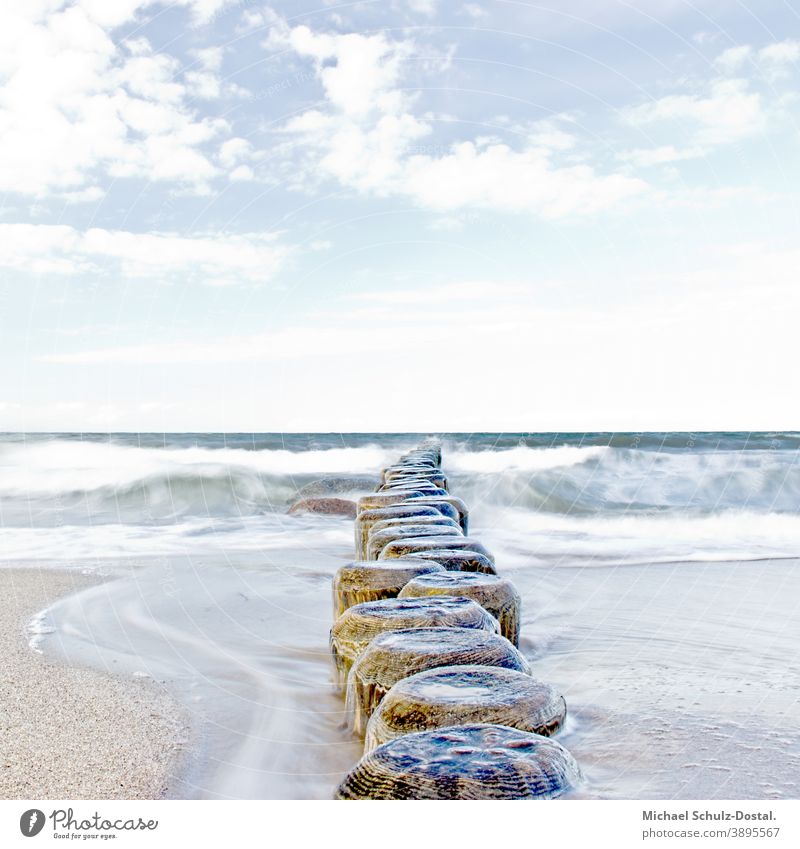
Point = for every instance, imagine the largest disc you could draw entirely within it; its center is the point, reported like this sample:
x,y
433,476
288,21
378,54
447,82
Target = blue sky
x,y
398,215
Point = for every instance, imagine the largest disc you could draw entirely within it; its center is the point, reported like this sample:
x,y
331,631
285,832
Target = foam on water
x,y
521,459
58,465
640,538
97,546
65,482
591,480
722,497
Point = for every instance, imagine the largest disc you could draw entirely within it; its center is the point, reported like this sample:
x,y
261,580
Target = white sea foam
x,y
613,480
46,467
521,459
38,628
61,482
78,545
520,536
70,500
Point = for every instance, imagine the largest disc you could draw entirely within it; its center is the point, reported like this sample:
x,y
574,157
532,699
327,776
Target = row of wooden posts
x,y
425,645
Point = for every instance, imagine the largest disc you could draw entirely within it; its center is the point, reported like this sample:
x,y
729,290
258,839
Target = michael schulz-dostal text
x,y
724,816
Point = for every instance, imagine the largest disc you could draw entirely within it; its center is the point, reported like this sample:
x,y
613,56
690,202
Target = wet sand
x,y
682,680
72,733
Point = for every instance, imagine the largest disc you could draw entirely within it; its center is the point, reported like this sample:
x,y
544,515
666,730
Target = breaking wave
x,y
594,480
65,481
663,499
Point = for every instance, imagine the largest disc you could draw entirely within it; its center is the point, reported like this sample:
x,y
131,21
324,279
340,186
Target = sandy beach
x,y
76,733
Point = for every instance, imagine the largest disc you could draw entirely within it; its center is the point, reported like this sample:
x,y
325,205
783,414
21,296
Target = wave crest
x,y
590,480
79,482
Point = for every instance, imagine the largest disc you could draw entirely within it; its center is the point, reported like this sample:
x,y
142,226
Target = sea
x,y
658,571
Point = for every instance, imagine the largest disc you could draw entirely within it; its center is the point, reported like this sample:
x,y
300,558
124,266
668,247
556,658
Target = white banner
x,y
418,825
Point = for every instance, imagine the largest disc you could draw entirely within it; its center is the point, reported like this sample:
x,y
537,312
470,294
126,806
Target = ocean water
x,y
658,573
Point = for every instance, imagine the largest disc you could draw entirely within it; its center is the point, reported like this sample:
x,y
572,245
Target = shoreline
x,y
680,678
77,733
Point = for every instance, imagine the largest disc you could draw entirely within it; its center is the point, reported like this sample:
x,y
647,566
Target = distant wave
x,y
67,465
593,480
521,459
55,481
73,497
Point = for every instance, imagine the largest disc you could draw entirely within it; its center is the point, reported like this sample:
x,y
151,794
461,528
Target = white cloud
x,y
781,52
733,58
746,270
92,416
358,72
423,7
708,198
253,19
728,108
203,80
729,312
60,249
705,37
203,11
548,135
778,60
340,333
242,174
729,112
204,85
73,103
40,249
448,223
209,58
368,139
475,11
448,293
773,60
87,195
102,12
663,155
237,155
289,343
233,151
495,176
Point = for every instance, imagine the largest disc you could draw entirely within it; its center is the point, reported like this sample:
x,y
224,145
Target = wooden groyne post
x,y
425,647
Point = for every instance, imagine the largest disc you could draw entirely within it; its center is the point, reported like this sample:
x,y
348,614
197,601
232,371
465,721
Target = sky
x,y
400,215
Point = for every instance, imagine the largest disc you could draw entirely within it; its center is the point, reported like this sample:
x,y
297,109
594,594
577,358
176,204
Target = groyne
x,y
425,647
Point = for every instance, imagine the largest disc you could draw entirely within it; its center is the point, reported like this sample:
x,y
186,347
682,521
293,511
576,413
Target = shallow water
x,y
659,590
682,681
244,648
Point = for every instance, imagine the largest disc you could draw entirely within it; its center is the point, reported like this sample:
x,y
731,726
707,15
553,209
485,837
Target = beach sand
x,y
76,733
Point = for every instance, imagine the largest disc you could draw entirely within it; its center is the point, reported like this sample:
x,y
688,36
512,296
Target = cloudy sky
x,y
398,214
